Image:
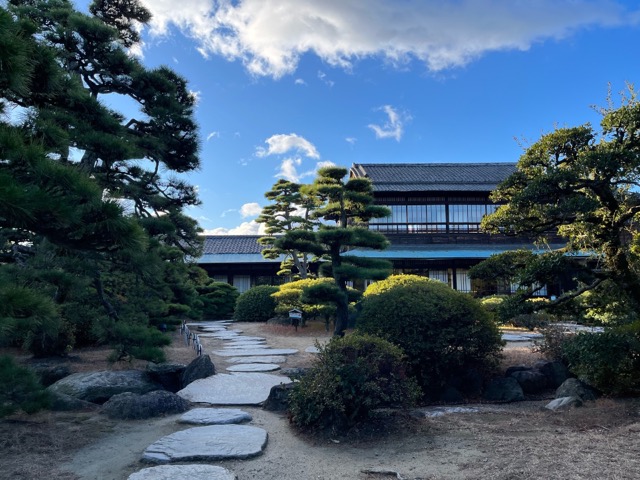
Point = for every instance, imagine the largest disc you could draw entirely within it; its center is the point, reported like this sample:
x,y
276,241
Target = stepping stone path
x,y
221,438
232,389
254,367
183,472
214,442
215,416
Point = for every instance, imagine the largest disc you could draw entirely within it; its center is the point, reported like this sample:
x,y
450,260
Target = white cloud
x,y
282,144
351,140
300,81
288,169
270,36
323,77
245,228
213,135
394,126
250,210
230,210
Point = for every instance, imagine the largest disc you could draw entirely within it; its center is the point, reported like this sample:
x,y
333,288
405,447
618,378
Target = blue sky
x,y
284,86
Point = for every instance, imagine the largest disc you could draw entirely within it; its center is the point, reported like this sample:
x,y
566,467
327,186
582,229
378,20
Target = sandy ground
x,y
516,441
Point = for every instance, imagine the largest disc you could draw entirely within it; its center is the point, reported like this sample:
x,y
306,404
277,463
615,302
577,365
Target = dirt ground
x,y
514,441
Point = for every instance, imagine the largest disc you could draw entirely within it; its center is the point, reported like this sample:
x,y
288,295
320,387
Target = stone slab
x,y
312,349
255,352
210,443
260,359
184,472
246,346
215,416
247,338
254,367
232,389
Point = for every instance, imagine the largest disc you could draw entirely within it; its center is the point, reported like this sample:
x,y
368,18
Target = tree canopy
x,y
581,184
93,239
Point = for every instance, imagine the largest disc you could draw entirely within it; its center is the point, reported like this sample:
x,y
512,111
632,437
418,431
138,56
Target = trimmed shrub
x,y
608,361
443,332
219,300
19,389
256,304
351,377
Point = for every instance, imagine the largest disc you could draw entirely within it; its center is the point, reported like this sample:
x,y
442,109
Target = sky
x,y
287,86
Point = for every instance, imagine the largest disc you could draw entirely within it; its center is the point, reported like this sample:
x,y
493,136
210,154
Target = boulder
x,y
200,367
504,390
278,399
563,403
59,402
556,373
294,372
572,387
516,368
50,374
531,381
169,375
130,406
98,387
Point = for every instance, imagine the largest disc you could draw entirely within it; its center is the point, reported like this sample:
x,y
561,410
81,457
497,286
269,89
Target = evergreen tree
x,y
290,213
344,207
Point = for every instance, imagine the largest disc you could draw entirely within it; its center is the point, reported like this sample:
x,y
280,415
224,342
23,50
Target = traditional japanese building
x,y
434,226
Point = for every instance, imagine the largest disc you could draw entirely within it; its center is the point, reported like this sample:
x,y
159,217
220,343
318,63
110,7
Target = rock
x,y
312,349
232,389
130,406
215,416
531,381
255,352
572,387
516,368
214,442
50,374
98,387
183,472
169,375
258,359
200,367
504,390
254,367
65,403
556,373
563,403
278,399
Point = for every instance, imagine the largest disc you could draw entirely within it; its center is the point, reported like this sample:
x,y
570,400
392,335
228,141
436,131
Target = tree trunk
x,y
111,311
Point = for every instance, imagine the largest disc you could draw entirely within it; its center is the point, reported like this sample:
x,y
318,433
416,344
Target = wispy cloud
x,y
289,169
323,77
394,126
270,36
300,81
351,140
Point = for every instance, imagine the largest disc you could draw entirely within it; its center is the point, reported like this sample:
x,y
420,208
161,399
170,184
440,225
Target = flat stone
x,y
214,442
246,346
511,337
224,335
245,338
232,389
238,342
312,350
183,472
254,367
260,359
215,416
255,352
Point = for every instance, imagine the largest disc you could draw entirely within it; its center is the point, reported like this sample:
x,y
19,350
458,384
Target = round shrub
x,y
351,377
608,361
256,304
218,300
443,332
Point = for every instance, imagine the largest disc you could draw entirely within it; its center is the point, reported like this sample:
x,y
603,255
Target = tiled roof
x,y
433,177
225,244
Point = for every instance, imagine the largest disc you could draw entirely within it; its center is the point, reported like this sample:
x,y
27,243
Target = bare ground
x,y
515,441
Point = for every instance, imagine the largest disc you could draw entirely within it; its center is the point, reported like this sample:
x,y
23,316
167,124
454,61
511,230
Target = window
x,y
463,282
442,275
242,282
220,278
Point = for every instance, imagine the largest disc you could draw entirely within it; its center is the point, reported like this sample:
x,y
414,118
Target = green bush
x,y
351,377
608,361
19,389
443,332
256,304
218,299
